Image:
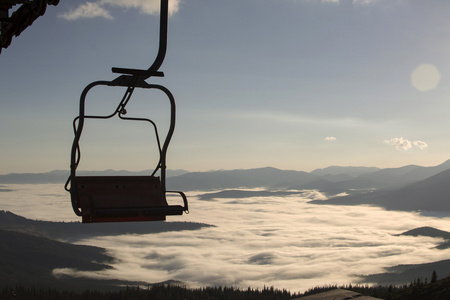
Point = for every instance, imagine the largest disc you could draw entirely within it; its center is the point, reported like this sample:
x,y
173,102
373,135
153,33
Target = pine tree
x,y
433,277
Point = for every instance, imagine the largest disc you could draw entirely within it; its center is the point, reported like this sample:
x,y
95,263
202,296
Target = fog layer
x,y
283,242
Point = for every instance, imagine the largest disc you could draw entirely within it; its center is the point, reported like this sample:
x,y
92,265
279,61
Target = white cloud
x,y
87,10
399,143
146,6
420,144
405,144
358,2
293,118
364,2
330,138
99,8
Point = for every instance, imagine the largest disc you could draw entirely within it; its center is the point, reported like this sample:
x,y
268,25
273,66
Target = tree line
x,y
419,289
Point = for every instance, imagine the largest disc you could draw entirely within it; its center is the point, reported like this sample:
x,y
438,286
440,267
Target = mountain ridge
x,y
331,180
427,231
74,231
430,194
60,176
350,170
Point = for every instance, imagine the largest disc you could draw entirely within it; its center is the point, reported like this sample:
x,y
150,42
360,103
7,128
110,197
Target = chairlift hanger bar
x,y
153,70
126,194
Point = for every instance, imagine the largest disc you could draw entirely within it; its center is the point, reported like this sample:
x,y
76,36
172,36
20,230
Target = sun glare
x,y
425,77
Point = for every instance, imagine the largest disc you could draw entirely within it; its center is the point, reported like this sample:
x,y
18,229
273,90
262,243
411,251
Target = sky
x,y
283,242
292,84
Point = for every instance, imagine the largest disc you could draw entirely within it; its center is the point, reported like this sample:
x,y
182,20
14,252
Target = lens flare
x,y
425,77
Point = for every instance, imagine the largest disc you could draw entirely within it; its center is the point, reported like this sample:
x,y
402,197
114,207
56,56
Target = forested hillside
x,y
417,290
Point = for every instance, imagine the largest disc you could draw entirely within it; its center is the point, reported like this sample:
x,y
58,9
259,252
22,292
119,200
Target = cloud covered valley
x,y
268,240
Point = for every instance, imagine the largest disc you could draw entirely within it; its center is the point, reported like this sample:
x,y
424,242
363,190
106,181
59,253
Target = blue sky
x,y
293,84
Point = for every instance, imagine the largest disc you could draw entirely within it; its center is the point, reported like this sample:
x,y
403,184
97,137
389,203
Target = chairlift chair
x,y
126,198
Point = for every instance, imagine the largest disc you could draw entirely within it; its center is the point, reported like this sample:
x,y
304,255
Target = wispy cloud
x,y
420,144
88,10
293,118
146,6
360,2
401,143
364,2
330,138
100,8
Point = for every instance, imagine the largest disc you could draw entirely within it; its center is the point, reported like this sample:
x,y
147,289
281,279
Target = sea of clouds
x,y
283,242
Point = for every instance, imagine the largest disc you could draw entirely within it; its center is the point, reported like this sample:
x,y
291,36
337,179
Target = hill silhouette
x,y
431,232
73,231
402,274
60,176
252,178
347,171
30,253
389,177
428,231
431,194
30,260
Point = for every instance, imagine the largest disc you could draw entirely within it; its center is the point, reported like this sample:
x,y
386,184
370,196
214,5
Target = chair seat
x,y
122,198
155,213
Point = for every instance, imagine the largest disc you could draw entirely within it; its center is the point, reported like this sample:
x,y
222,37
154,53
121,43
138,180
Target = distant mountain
x,y
331,180
252,178
361,183
394,177
56,176
336,177
60,176
321,184
431,194
404,274
349,171
238,194
428,231
73,231
431,232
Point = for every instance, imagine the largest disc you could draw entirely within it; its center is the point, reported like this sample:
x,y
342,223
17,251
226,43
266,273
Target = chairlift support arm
x,y
153,69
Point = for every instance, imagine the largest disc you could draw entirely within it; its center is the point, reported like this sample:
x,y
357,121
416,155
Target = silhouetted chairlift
x,y
126,198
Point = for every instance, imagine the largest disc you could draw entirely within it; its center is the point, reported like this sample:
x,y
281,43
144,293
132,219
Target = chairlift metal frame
x,y
126,198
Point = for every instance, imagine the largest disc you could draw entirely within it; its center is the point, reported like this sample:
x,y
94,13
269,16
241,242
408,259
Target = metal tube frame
x,y
79,124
